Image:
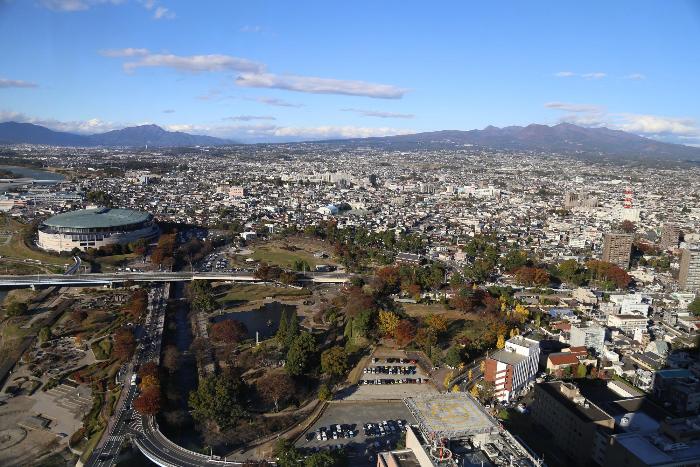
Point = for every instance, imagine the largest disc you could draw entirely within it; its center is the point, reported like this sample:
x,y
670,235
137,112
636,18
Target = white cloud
x,y
266,132
378,113
159,12
163,13
75,5
248,118
657,125
169,111
571,74
275,102
195,63
314,85
636,76
127,52
16,83
675,129
568,107
90,126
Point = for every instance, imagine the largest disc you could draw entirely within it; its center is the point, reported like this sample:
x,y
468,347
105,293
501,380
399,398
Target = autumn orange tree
x,y
229,331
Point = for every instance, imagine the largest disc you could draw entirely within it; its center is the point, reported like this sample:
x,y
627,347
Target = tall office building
x,y
617,249
670,235
689,275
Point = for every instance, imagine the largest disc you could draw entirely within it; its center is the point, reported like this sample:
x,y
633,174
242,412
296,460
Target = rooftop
x,y
97,218
451,415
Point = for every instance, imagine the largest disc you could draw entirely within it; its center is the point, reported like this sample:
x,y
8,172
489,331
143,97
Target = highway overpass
x,y
111,279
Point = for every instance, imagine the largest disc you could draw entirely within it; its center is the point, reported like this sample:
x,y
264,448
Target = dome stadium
x,y
95,228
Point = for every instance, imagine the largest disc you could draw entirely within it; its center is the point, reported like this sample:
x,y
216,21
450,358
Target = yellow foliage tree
x,y
437,322
455,388
482,365
474,391
149,381
501,342
387,322
521,312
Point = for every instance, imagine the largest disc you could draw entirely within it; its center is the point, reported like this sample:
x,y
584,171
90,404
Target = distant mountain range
x,y
151,135
563,138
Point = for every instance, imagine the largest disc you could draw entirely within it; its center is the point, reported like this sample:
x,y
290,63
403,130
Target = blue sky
x,y
273,71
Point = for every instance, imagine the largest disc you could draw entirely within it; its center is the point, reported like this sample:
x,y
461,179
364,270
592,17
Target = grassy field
x,y
284,258
16,248
251,292
108,263
102,348
15,267
418,310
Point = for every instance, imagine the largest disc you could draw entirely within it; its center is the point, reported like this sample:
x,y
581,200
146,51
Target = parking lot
x,y
361,441
390,377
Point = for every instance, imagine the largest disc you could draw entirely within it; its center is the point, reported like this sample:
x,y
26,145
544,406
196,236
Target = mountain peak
x,y
141,135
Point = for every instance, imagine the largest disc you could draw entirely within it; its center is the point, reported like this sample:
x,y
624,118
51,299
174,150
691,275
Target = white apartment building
x,y
511,368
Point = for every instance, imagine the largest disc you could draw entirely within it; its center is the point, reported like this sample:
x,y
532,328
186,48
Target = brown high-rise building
x,y
689,275
670,235
617,249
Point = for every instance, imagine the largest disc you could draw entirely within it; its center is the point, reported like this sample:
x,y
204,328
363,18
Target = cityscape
x,y
322,293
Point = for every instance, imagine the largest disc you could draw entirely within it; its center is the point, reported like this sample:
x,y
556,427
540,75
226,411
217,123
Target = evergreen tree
x,y
281,335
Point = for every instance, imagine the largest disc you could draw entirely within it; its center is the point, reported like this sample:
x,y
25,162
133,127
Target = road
x,y
109,279
125,420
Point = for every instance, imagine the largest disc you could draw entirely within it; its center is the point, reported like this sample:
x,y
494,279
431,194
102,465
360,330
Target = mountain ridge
x,y
141,135
565,138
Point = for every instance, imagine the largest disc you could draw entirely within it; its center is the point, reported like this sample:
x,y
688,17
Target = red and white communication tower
x,y
628,198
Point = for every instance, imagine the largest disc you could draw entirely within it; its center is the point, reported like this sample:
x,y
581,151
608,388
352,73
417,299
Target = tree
x,y
16,309
275,388
453,357
148,402
628,226
334,361
219,398
501,342
437,323
171,358
228,331
581,371
78,315
324,393
148,369
137,304
426,338
300,353
486,391
694,307
521,312
124,343
362,323
148,382
286,454
202,297
387,322
404,333
44,334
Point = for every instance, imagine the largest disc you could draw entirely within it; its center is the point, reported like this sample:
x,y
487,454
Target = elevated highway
x,y
110,279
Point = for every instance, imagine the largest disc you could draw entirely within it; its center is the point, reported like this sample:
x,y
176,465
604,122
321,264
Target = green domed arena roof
x,y
97,218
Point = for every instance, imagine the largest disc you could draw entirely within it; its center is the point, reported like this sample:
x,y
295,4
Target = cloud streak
x,y
90,126
377,113
590,75
275,102
16,83
249,118
315,85
191,63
